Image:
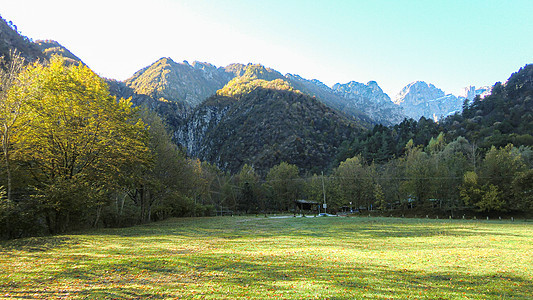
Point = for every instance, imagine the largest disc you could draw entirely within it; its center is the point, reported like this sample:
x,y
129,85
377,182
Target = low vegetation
x,y
277,258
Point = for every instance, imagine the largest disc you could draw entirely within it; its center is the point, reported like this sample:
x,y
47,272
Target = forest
x,y
75,157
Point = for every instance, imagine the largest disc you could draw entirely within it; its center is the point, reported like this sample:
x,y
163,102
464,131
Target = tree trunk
x,y
98,213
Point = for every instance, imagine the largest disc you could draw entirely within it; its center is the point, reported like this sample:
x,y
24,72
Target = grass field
x,y
281,258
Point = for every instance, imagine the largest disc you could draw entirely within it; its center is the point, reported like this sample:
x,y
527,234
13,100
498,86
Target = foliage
x,y
284,184
11,112
267,126
354,182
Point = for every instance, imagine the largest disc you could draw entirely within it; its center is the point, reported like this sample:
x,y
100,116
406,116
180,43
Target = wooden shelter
x,y
306,206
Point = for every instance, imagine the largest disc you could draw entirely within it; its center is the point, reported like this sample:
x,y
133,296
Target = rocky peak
x,y
179,82
370,99
418,92
422,99
471,92
371,91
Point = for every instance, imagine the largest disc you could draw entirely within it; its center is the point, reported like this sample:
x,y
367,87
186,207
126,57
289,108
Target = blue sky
x,y
451,44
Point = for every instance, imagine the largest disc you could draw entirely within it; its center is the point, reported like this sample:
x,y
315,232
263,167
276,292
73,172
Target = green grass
x,y
292,258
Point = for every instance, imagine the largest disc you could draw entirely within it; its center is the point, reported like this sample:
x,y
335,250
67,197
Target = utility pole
x,y
324,192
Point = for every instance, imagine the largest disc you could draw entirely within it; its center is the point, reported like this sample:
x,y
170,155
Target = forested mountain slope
x,y
262,123
505,116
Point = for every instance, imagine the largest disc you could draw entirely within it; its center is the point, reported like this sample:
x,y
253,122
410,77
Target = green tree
x,y
355,182
250,194
499,168
471,191
284,181
450,163
419,172
166,182
523,190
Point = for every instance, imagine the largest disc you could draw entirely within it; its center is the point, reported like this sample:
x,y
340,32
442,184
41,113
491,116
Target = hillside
x,y
50,47
263,123
10,39
505,116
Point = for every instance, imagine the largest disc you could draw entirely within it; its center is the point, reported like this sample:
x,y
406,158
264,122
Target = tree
x,y
354,181
523,190
451,163
78,138
249,191
499,168
419,172
285,183
164,183
470,190
11,111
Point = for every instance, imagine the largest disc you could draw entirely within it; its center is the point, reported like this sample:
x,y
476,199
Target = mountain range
x,y
250,114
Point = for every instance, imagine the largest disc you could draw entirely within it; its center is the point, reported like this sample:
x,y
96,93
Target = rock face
x,y
419,99
371,100
471,92
327,95
205,118
417,93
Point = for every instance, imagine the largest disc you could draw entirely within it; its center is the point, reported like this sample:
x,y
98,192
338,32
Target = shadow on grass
x,y
99,293
36,244
374,227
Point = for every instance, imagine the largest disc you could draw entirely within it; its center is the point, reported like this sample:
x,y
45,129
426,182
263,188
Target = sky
x,y
449,43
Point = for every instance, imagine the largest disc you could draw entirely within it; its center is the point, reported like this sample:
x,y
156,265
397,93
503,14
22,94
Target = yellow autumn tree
x,y
79,138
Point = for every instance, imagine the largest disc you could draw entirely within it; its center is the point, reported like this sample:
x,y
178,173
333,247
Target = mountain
x,y
371,99
471,92
166,80
11,39
50,47
327,95
419,99
263,122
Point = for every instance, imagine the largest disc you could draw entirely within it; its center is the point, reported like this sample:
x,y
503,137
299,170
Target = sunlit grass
x,y
293,258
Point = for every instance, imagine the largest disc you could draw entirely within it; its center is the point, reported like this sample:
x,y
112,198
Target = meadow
x,y
277,258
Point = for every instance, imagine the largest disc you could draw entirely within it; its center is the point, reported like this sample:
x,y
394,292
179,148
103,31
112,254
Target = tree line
x,y
449,178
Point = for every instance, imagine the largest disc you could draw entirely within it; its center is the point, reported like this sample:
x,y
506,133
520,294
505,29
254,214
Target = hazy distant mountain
x,y
371,99
419,99
327,95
